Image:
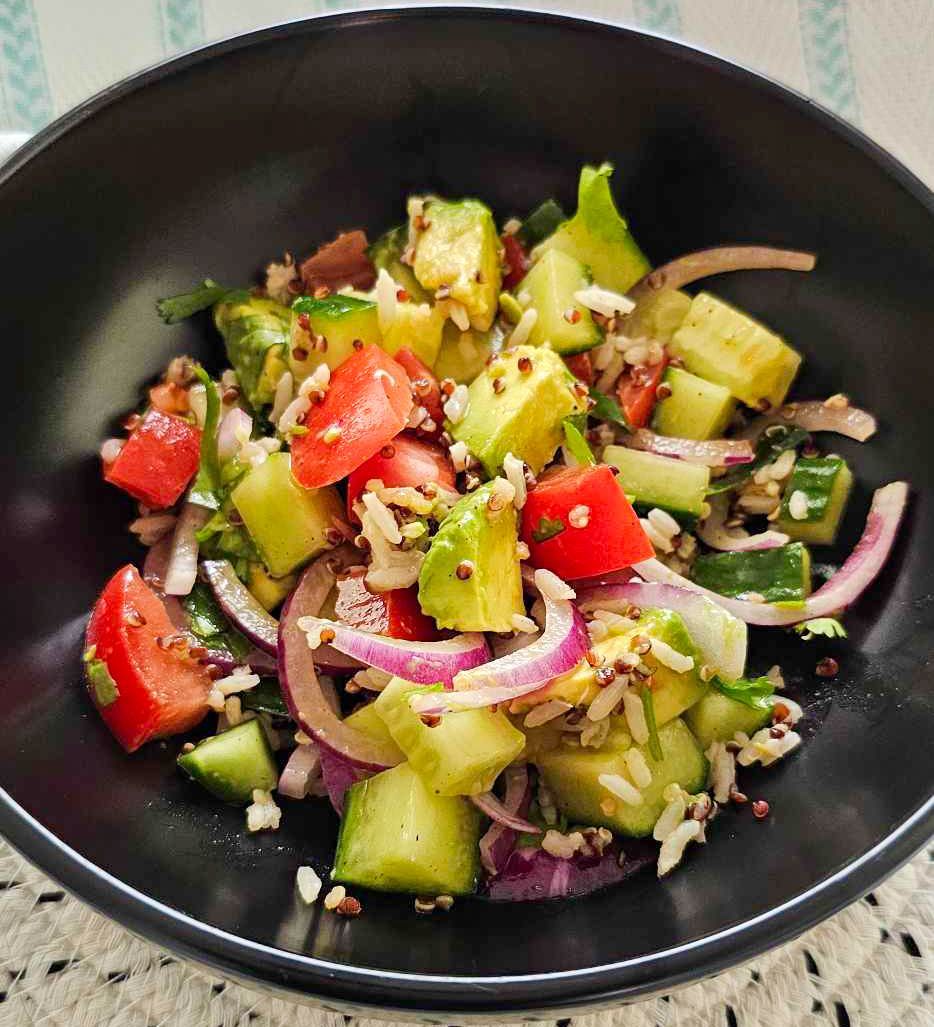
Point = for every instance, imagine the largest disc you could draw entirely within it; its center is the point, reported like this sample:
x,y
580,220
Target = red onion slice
x,y
423,663
711,531
708,453
303,766
182,569
720,637
154,569
301,689
842,590
487,803
717,261
815,415
561,646
240,606
236,422
339,774
500,838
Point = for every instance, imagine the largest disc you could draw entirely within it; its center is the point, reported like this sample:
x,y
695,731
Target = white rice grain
x,y
382,517
460,456
607,699
285,388
635,718
603,301
798,505
638,768
621,789
456,405
672,815
308,884
673,846
522,331
458,314
111,449
545,712
664,523
386,290
292,414
551,586
722,771
671,658
661,543
514,469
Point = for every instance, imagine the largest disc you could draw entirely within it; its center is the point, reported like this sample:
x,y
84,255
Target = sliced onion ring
x,y
561,646
499,813
235,422
842,590
154,569
303,766
717,261
182,570
240,606
709,452
815,415
423,663
301,689
500,838
711,531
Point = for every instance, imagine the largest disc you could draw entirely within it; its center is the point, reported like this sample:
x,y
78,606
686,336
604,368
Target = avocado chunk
x,y
717,718
694,408
572,775
459,252
672,692
386,254
598,235
256,336
724,345
463,355
232,764
396,835
651,480
561,320
522,415
780,575
287,523
487,599
826,483
335,324
418,327
464,754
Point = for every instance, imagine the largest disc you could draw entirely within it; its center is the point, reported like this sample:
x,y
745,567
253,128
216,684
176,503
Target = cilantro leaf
x,y
772,443
648,707
577,444
828,627
606,408
548,528
755,692
173,309
206,490
208,623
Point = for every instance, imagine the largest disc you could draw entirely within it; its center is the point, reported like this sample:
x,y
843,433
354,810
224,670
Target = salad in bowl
x,y
466,538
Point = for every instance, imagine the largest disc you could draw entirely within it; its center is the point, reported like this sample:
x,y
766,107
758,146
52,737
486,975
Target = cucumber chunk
x,y
464,754
367,720
717,718
288,524
541,223
563,322
572,776
826,483
598,235
232,764
781,575
676,486
397,836
339,321
694,409
724,345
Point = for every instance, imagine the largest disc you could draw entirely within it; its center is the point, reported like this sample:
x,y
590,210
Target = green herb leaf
x,y
577,444
104,687
772,443
332,306
208,623
548,528
266,697
176,308
755,692
648,707
207,488
606,408
828,627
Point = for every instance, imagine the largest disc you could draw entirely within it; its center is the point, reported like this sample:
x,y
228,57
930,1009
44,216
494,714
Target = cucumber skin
x,y
370,827
827,482
781,575
240,747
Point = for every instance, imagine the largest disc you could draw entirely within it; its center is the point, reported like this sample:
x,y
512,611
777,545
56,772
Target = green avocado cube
x,y
458,252
825,483
598,235
489,597
287,523
724,345
464,754
563,322
517,405
463,355
694,408
417,327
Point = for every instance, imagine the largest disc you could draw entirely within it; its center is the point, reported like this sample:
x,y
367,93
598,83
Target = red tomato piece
x,y
636,391
517,260
403,461
158,461
396,613
366,405
162,689
581,366
425,390
602,534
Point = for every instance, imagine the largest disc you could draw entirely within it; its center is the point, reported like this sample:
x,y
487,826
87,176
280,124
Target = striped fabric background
x,y
871,61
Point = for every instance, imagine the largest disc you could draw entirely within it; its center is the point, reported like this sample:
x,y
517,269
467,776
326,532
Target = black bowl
x,y
216,162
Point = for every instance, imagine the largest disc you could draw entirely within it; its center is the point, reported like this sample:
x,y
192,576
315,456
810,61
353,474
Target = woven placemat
x,y
63,964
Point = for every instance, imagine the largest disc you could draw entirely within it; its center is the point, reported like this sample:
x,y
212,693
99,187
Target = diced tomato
x,y
516,259
636,391
170,398
158,461
578,523
425,390
367,403
581,366
161,689
403,461
396,613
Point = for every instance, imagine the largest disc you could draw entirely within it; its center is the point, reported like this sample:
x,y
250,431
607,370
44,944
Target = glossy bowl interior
x,y
217,162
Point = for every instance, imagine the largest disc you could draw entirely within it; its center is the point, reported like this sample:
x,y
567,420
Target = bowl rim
x,y
343,986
